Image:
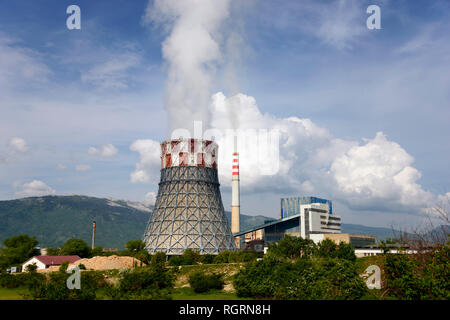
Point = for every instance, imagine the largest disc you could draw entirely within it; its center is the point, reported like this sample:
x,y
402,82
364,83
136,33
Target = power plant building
x,y
188,212
300,216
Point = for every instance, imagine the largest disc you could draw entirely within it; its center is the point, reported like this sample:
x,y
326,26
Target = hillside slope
x,y
54,219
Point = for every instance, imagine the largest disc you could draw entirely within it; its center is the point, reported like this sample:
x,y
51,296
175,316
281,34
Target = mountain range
x,y
54,219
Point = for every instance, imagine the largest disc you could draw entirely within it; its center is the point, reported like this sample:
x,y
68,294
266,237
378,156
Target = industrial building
x,y
306,217
188,212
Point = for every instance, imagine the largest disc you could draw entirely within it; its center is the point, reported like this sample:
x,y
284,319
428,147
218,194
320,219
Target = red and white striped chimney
x,y
235,202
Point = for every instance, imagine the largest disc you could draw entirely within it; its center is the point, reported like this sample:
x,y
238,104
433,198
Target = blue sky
x,y
65,91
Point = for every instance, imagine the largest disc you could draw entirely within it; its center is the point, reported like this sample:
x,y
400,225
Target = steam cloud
x,y
192,52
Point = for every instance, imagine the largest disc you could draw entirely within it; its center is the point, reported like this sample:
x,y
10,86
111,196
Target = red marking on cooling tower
x,y
184,159
189,152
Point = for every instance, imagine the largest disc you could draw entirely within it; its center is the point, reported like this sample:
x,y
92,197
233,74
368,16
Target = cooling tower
x,y
188,212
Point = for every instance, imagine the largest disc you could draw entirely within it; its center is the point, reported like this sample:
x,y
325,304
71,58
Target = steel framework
x,y
188,213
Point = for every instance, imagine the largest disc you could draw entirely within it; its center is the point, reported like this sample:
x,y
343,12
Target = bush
x,y
229,256
189,257
207,258
202,282
55,287
302,279
20,279
419,277
151,282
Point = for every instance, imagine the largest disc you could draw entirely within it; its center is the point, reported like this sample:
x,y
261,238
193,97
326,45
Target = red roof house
x,y
43,262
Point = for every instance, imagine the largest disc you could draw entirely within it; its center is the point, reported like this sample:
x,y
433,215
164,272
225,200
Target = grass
x,y
187,293
12,294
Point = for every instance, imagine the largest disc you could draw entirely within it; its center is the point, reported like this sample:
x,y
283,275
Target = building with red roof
x,y
43,262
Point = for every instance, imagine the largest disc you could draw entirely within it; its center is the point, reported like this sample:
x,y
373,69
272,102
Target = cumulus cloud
x,y
105,150
18,144
150,198
35,188
82,167
375,174
147,169
379,172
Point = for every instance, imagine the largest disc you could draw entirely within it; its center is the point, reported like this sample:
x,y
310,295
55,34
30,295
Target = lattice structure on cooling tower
x,y
188,212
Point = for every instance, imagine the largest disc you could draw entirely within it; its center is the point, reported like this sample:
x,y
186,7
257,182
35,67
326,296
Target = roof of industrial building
x,y
261,226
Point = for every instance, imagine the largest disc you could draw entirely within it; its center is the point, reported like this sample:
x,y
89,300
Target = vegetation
x,y
75,247
296,268
420,276
152,282
201,282
17,250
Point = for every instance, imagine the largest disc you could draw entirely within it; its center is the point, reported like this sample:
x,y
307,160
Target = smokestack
x,y
93,235
235,202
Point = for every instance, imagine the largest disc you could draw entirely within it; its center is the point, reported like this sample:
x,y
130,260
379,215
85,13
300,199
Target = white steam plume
x,y
192,51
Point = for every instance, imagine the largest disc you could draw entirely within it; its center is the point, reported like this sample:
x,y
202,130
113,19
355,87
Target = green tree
x,y
76,247
97,251
346,251
135,245
190,256
326,249
17,250
31,268
53,251
292,247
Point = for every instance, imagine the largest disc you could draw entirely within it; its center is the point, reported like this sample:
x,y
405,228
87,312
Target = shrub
x,y
277,278
419,277
223,257
207,258
55,287
202,282
19,280
31,267
151,282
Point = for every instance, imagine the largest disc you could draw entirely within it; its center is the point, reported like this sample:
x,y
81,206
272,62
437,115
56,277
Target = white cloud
x,y
377,174
113,73
34,188
147,168
18,145
106,150
19,65
150,198
379,171
82,167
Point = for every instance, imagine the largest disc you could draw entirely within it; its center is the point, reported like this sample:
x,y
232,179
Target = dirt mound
x,y
108,263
